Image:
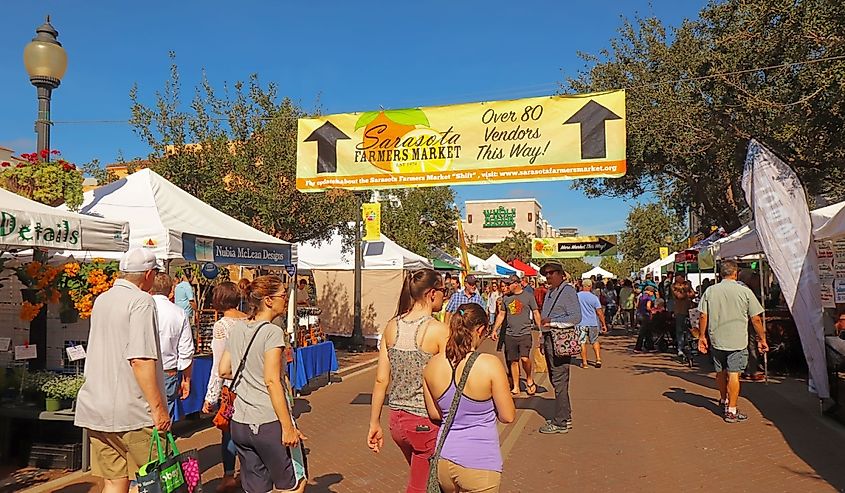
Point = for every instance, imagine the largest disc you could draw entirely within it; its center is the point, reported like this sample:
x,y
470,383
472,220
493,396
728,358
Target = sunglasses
x,y
441,289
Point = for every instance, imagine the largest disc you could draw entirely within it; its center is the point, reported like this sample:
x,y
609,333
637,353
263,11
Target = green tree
x,y
647,228
517,244
419,218
618,266
575,266
237,152
688,139
480,250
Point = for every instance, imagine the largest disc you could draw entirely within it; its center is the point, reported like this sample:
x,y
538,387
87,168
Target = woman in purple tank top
x,y
470,460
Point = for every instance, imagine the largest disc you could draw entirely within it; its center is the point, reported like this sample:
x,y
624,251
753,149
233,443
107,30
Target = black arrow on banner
x,y
593,135
326,138
601,245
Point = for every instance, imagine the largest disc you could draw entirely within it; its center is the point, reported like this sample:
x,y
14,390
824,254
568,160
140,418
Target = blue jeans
x,y
228,449
681,333
171,391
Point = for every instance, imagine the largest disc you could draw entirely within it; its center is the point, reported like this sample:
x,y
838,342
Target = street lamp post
x,y
46,62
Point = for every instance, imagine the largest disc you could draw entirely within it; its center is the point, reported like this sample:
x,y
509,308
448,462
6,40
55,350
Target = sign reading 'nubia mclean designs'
x,y
26,229
546,138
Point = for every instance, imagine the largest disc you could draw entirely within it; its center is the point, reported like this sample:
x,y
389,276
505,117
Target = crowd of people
x,y
443,393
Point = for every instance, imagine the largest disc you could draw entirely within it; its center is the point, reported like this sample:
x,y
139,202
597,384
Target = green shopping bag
x,y
163,475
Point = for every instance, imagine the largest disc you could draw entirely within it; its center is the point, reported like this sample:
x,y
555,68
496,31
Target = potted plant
x,y
61,390
50,182
31,382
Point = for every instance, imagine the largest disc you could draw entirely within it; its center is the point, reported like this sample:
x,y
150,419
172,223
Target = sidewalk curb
x,y
357,367
57,483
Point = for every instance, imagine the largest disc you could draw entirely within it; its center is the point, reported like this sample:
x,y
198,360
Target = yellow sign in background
x,y
574,247
545,138
371,213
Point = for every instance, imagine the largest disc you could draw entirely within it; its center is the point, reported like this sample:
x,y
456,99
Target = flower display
x,y
41,282
50,182
83,282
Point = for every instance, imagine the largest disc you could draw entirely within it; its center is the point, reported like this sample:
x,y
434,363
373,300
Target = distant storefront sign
x,y
500,218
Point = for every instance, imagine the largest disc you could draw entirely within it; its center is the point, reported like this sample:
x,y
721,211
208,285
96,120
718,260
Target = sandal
x,y
584,365
531,389
598,364
515,393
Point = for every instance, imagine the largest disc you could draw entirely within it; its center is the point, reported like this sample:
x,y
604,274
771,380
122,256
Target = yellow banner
x,y
664,252
372,221
462,241
533,139
574,247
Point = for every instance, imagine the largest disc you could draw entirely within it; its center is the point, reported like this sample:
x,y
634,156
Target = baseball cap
x,y
513,278
138,260
549,267
471,280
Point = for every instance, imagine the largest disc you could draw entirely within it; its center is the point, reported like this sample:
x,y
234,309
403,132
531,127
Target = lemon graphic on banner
x,y
421,143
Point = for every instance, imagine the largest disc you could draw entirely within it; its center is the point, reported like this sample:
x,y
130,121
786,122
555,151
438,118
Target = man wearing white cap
x,y
123,398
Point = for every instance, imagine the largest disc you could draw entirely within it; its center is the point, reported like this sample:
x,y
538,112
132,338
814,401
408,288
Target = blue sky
x,y
348,56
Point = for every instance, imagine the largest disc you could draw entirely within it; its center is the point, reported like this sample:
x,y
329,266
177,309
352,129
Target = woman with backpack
x,y
470,458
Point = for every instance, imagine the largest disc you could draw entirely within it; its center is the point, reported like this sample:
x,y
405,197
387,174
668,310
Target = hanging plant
x,y
40,287
49,182
83,282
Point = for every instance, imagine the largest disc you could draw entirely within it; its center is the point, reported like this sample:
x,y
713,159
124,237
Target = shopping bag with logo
x,y
566,341
227,393
172,471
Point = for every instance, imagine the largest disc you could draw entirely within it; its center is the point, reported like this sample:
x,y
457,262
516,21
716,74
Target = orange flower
x,y
33,268
55,294
30,311
72,269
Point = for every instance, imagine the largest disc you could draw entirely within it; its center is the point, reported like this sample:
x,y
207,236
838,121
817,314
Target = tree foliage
x,y
647,228
575,266
236,150
517,244
419,218
617,266
687,140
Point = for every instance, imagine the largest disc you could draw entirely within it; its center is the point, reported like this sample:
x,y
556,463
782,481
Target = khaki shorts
x,y
453,478
120,455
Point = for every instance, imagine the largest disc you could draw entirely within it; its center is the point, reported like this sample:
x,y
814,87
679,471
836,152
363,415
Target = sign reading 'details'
x,y
29,230
221,251
500,218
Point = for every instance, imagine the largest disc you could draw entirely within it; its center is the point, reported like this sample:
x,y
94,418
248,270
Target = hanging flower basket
x,y
83,282
68,314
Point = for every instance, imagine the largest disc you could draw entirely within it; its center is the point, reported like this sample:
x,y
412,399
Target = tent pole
x,y
357,330
763,303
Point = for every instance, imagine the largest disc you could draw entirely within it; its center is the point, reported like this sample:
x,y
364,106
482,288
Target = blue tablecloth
x,y
311,362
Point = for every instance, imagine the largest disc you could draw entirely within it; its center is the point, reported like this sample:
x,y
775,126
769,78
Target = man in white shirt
x,y
177,343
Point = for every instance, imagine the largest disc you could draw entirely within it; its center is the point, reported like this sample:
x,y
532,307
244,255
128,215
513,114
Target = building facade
x,y
490,221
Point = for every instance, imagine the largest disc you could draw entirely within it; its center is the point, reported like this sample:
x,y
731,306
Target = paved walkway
x,y
641,423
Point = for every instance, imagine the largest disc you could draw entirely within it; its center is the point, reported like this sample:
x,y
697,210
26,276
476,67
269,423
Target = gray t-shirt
x,y
518,313
729,305
123,327
253,406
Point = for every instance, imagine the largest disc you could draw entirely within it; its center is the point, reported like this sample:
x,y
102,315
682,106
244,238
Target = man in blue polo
x,y
468,295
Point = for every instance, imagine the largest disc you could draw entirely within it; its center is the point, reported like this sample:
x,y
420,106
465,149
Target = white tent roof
x,y
384,254
161,214
829,222
93,233
597,271
496,265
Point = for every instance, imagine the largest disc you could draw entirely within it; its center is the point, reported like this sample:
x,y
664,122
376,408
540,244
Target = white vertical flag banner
x,y
783,224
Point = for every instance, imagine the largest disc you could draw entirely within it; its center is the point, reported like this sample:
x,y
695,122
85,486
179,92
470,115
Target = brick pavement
x,y
642,423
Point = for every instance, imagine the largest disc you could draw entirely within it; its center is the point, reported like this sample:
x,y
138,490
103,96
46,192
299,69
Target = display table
x,y
310,362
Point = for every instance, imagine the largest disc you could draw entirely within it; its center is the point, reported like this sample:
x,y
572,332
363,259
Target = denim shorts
x,y
590,333
730,361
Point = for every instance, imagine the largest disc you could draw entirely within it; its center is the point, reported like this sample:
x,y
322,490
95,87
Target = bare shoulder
x,y
490,361
389,333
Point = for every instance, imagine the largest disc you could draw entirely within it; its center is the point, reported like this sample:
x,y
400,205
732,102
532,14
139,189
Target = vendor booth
x,y
496,265
25,425
525,268
332,264
179,228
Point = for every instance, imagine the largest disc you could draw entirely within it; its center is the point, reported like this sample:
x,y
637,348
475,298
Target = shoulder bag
x,y
565,338
433,482
227,393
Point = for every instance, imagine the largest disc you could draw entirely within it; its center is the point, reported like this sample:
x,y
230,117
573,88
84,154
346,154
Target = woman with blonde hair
x,y
469,456
409,340
262,426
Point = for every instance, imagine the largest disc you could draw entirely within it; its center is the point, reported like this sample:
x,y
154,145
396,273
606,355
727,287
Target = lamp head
x,y
44,58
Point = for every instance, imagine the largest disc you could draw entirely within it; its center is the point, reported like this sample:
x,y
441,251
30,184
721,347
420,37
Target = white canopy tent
x,y
330,255
829,222
25,223
496,265
598,271
177,225
655,268
333,269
